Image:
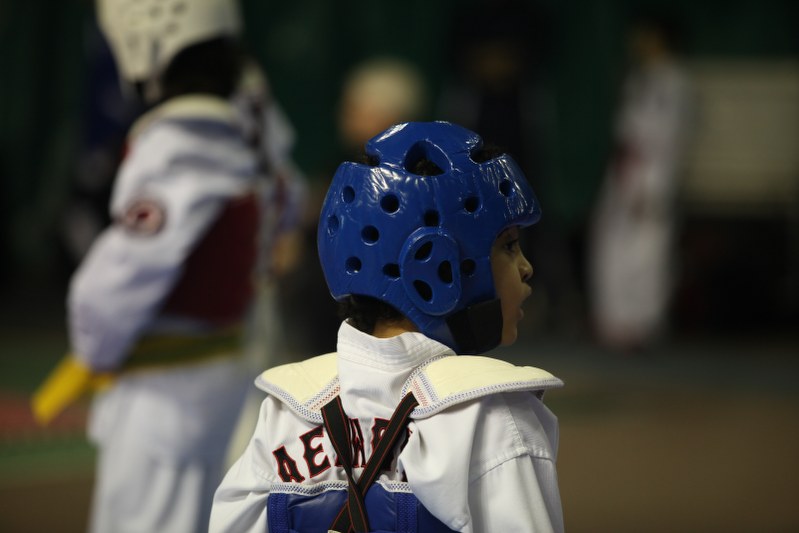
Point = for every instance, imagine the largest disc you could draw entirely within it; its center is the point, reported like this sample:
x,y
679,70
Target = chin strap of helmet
x,y
477,328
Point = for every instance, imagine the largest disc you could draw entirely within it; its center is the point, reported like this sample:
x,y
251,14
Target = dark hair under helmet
x,y
423,243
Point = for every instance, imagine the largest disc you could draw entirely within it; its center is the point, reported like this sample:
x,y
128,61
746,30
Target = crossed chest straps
x,y
352,516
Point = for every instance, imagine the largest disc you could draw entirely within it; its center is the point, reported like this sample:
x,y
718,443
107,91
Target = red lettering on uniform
x,y
358,454
311,452
286,466
378,430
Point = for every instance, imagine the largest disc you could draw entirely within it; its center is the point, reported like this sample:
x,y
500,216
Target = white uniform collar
x,y
407,350
372,371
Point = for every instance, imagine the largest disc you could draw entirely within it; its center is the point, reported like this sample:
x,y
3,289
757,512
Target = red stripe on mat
x,y
16,419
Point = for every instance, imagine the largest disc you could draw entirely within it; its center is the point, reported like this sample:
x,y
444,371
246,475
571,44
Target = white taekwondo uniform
x,y
481,452
632,233
161,301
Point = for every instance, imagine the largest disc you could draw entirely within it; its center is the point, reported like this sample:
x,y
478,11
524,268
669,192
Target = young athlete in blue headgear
x,y
394,432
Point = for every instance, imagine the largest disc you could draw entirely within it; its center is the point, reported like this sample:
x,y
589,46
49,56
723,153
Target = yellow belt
x,y
169,350
71,379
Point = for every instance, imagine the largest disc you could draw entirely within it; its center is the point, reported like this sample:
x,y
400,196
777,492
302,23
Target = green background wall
x,y
307,46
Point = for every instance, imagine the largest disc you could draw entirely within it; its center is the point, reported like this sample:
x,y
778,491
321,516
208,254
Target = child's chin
x,y
509,337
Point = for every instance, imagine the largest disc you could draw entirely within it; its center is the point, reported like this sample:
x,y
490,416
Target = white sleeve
x,y
519,495
125,277
240,501
239,506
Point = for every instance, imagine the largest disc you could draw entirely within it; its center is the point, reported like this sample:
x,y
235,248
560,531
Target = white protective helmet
x,y
145,35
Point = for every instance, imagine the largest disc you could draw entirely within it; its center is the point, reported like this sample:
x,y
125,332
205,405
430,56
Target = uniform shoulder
x,y
304,386
189,108
195,130
187,148
447,381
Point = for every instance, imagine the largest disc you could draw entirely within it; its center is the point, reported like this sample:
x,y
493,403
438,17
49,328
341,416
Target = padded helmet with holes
x,y
423,243
145,35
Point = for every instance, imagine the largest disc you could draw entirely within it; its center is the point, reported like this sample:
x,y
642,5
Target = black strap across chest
x,y
352,516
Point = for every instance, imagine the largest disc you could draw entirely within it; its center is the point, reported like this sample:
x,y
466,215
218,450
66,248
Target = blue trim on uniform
x,y
277,512
406,512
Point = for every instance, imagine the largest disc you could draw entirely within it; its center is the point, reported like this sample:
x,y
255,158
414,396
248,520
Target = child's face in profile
x,y
511,272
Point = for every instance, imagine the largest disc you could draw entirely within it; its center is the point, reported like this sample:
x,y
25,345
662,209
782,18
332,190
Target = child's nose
x,y
526,270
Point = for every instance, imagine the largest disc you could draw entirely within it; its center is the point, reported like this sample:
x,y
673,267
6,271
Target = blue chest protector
x,y
388,511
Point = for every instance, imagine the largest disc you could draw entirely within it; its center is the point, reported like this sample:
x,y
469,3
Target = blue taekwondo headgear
x,y
423,243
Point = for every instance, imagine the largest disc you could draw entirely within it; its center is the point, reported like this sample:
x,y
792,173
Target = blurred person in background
x,y
631,248
501,56
498,55
376,93
158,308
107,117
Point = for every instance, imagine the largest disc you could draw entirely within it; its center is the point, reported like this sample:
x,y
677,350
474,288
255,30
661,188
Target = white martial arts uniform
x,y
478,460
161,300
631,265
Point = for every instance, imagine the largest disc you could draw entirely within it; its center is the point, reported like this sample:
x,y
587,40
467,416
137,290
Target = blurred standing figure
x,y
159,306
631,255
502,58
377,93
499,57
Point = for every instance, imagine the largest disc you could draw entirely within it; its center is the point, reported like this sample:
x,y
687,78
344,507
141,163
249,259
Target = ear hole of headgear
x,y
424,290
428,263
445,272
424,251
